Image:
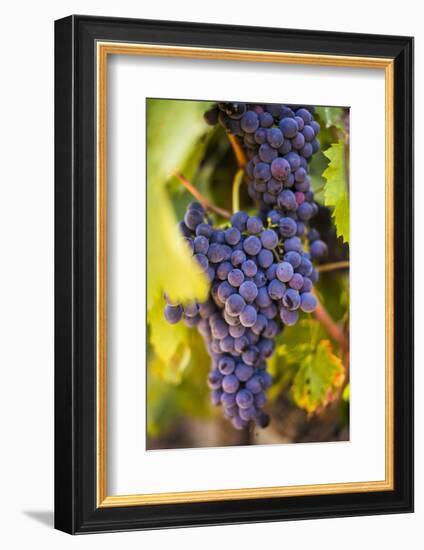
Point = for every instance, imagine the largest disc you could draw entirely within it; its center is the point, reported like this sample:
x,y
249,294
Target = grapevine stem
x,y
337,333
203,200
238,151
333,329
237,181
332,266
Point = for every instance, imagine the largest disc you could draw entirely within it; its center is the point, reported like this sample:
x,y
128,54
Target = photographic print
x,y
247,273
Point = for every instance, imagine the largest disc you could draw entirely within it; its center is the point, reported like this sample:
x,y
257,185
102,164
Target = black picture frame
x,y
76,510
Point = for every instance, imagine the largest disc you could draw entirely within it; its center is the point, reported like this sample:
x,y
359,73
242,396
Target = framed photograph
x,y
234,274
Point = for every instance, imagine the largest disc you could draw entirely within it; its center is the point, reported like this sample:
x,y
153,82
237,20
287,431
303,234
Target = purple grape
x,y
219,329
241,344
249,122
215,379
235,277
305,267
216,397
263,420
318,249
254,384
228,400
243,371
308,133
269,239
274,187
235,305
230,383
259,399
201,245
287,227
275,137
216,253
306,150
252,245
260,325
248,290
260,136
260,279
248,316
224,291
204,230
293,159
305,114
250,356
266,120
173,314
226,365
270,273
249,268
305,211
276,289
287,199
291,299
222,270
236,331
294,258
308,302
288,317
265,258
227,344
191,310
263,299
280,169
298,141
285,272
271,329
254,225
267,153
262,172
239,219
244,399
232,235
289,127
238,257
247,414
193,218
293,244
296,281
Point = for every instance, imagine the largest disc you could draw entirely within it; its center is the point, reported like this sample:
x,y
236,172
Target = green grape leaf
x,y
173,129
320,375
292,346
335,191
332,116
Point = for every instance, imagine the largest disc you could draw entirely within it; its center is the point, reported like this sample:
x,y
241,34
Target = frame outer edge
x,y
71,517
64,447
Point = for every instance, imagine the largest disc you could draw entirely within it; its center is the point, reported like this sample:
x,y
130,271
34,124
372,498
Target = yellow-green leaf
x,y
336,191
173,128
320,375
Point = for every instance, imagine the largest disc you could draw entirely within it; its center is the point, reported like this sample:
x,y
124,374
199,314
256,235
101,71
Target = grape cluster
x,y
279,141
260,279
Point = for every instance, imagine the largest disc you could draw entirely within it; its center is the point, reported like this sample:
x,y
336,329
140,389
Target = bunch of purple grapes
x,y
279,141
261,278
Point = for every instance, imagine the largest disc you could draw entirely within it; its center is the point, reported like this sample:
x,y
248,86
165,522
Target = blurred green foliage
x,y
307,363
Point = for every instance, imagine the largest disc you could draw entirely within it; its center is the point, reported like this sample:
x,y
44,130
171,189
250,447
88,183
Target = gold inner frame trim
x,y
103,50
